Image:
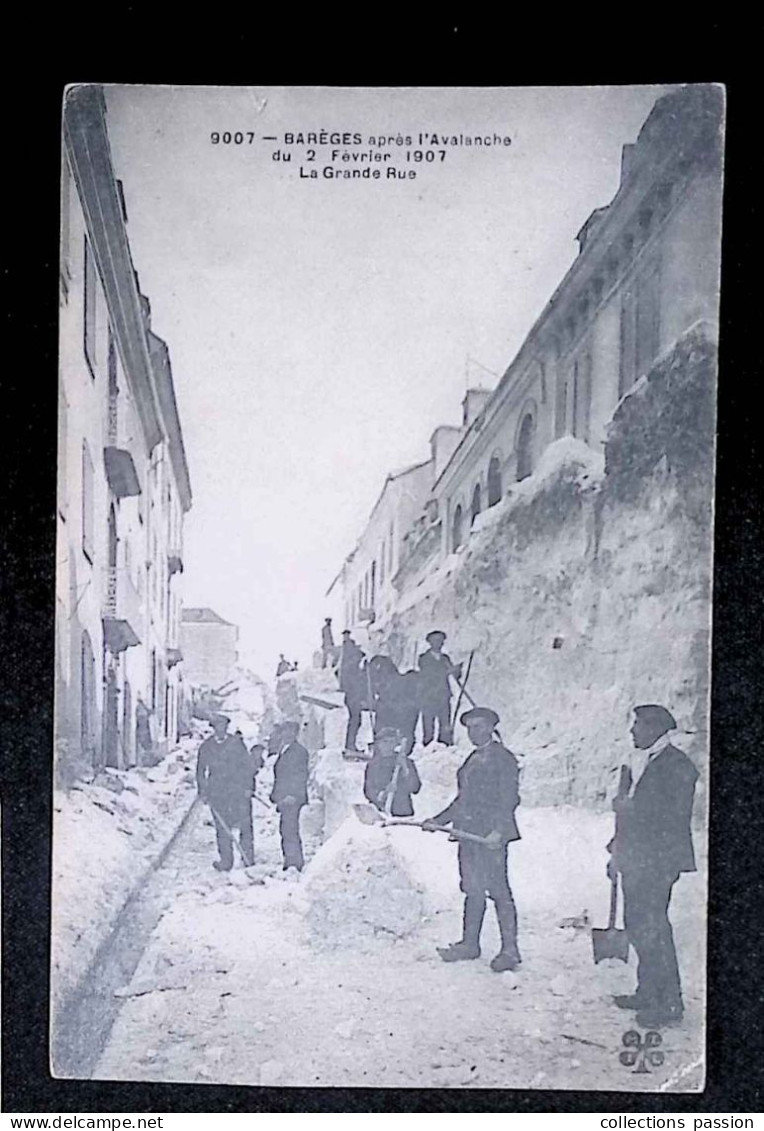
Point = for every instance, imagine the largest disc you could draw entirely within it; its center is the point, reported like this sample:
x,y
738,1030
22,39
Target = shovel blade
x,y
610,942
368,815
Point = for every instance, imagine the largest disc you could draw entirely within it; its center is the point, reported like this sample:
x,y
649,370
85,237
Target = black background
x,y
220,47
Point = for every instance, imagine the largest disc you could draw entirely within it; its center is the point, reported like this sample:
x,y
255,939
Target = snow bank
x,y
358,887
105,837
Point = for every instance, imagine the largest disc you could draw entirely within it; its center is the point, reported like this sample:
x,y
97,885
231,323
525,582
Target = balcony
x,y
174,656
122,613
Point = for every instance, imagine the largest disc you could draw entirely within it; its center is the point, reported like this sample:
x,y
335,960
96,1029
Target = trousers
x,y
646,898
440,710
291,842
239,818
483,872
354,721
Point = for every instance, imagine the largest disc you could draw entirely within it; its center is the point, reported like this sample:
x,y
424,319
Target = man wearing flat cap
x,y
391,777
435,669
485,805
652,847
225,773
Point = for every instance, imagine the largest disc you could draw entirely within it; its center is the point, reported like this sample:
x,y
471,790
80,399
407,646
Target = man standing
x,y
485,804
283,665
290,792
225,780
652,847
435,669
327,643
352,679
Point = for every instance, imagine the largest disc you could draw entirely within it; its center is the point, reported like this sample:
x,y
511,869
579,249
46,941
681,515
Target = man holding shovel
x,y
652,847
225,780
485,805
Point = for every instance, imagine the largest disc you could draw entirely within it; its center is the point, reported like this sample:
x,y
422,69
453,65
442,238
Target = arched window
x,y
494,481
525,447
476,505
456,535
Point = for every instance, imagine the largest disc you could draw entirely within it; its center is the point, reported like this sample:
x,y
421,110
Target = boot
x,y
629,1001
504,961
469,945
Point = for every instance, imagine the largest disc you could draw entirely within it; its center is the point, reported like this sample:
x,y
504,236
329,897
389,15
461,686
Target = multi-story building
x,y
209,645
119,518
646,271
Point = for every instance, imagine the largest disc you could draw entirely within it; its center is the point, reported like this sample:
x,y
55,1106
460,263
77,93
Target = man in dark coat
x,y
225,780
283,665
485,804
435,669
290,793
652,848
353,680
388,757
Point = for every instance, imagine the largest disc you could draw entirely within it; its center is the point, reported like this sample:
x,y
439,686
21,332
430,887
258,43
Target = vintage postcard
x,y
385,512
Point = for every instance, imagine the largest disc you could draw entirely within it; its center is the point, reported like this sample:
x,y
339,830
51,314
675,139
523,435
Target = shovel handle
x,y
457,834
613,902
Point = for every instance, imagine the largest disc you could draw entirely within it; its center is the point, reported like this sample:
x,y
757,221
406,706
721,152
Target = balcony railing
x,y
122,610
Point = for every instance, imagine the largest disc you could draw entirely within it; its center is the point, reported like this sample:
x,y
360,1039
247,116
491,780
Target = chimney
x,y
473,404
443,443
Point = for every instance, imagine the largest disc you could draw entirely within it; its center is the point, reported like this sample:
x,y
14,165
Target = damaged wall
x,y
588,590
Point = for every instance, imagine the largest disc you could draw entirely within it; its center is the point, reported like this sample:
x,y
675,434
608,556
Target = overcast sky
x,y
319,330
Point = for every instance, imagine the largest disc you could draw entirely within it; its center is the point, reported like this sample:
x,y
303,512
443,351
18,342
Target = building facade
x,y
647,270
117,589
366,578
210,648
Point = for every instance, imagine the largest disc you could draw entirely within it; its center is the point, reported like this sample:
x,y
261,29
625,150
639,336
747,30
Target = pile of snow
x,y
106,836
358,887
338,785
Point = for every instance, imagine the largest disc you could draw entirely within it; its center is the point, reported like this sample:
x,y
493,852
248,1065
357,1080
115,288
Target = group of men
x,y
651,848
226,777
398,699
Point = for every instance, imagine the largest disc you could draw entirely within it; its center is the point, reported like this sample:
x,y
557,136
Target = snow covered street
x,y
323,980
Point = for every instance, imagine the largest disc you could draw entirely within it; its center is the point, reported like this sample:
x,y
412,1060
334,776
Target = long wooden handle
x,y
457,834
613,902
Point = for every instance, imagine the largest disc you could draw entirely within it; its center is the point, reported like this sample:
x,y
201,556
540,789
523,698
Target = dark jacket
x,y
379,774
225,771
352,676
435,669
327,639
397,704
290,775
654,831
487,794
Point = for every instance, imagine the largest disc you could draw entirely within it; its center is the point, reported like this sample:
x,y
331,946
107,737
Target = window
x,y
627,371
456,530
561,405
525,447
87,700
62,454
582,395
66,191
91,297
87,502
476,507
373,589
494,481
113,540
648,318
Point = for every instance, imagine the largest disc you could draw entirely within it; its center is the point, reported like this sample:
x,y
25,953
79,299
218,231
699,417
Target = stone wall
x,y
590,591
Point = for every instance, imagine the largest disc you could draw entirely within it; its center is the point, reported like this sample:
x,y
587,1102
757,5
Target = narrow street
x,y
233,987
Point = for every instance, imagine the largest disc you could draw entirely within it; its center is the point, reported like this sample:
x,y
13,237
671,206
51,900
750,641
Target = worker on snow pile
x,y
225,780
652,847
435,669
485,804
352,680
290,792
327,643
283,665
391,777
